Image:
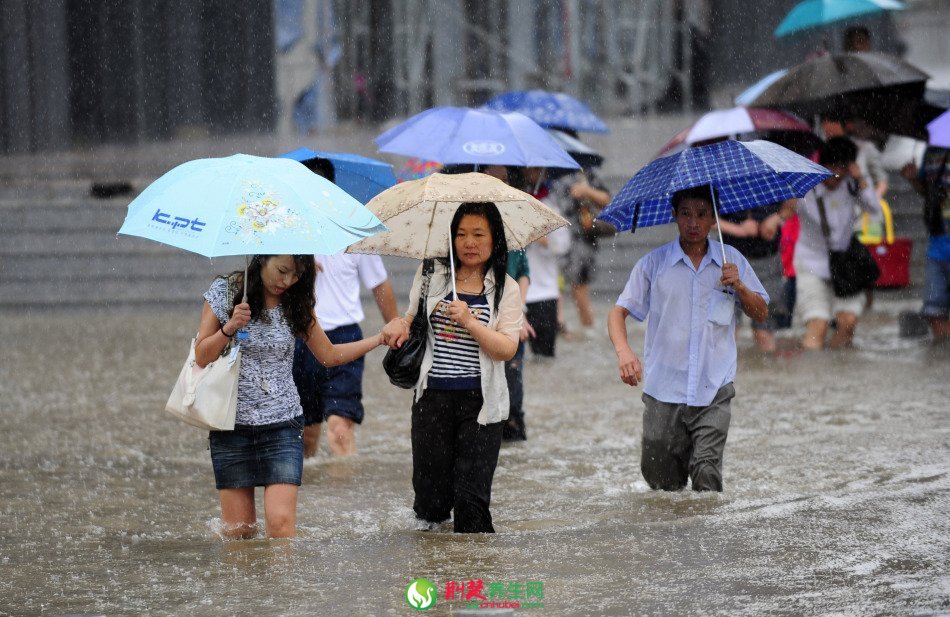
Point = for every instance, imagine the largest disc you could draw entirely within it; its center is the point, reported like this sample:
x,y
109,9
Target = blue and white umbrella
x,y
744,174
554,110
360,176
248,205
461,135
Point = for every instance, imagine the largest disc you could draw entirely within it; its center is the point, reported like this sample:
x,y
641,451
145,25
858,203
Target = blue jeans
x,y
936,289
258,455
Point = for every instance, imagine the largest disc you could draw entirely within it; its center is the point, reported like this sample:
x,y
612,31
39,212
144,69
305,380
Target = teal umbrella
x,y
248,205
816,13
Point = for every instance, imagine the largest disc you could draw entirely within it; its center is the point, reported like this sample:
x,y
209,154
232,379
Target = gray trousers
x,y
682,442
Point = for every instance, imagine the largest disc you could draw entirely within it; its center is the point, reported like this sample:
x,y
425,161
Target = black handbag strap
x,y
825,227
428,267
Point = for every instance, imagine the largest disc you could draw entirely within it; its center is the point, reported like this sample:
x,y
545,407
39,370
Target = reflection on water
x,y
837,488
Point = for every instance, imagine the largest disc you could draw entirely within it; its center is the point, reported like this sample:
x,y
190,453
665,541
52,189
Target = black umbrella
x,y
884,91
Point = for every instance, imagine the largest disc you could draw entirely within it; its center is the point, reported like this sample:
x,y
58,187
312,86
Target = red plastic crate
x,y
894,261
892,253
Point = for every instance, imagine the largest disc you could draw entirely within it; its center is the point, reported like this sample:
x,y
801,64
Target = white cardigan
x,y
507,321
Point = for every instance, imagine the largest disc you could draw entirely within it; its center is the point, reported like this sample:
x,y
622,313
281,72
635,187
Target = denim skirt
x,y
258,455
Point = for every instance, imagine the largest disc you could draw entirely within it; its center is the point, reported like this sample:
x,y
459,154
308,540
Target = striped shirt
x,y
455,360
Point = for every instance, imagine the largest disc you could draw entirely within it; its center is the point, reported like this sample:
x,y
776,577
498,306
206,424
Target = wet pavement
x,y
837,489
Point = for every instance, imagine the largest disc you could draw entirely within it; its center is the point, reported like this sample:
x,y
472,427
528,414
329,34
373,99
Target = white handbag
x,y
207,397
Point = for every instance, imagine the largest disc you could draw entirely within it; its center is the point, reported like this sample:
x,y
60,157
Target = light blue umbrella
x,y
752,92
248,205
553,110
360,176
461,135
744,174
816,13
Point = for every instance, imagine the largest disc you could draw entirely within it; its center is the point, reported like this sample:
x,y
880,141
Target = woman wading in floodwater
x,y
266,446
461,399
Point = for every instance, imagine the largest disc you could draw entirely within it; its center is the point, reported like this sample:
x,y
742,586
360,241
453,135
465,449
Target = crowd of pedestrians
x,y
491,309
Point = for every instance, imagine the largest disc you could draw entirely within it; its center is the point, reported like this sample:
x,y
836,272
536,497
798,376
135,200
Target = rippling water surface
x,y
837,490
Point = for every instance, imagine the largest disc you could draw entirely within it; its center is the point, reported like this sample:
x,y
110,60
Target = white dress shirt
x,y
690,346
338,287
543,261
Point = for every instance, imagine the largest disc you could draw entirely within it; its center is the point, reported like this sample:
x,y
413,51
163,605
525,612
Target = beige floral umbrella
x,y
419,213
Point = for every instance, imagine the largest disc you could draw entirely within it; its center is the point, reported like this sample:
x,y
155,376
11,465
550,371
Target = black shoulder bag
x,y
853,269
403,364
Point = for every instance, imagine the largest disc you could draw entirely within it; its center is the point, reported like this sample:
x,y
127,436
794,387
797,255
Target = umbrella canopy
x,y
460,135
884,91
550,110
749,94
940,131
419,214
816,13
360,176
740,121
585,156
414,169
745,174
247,205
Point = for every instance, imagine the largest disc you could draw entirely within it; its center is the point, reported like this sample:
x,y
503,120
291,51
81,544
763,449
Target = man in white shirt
x,y
842,196
687,294
541,300
335,394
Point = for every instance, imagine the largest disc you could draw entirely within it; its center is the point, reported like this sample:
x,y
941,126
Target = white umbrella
x,y
419,214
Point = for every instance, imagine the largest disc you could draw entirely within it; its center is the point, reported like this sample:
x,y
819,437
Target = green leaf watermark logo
x,y
420,594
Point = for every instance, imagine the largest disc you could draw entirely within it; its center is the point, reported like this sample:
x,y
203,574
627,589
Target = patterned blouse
x,y
455,364
266,390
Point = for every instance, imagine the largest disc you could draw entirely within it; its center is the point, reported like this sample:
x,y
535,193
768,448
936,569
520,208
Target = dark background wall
x,y
742,48
75,72
80,72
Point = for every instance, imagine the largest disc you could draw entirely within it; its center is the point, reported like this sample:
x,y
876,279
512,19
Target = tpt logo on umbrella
x,y
248,205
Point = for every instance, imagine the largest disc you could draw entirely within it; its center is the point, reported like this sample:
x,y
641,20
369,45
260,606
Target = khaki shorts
x,y
815,299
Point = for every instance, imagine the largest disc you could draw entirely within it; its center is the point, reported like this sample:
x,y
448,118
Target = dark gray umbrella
x,y
884,91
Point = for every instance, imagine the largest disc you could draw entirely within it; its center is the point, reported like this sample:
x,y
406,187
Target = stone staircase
x,y
59,249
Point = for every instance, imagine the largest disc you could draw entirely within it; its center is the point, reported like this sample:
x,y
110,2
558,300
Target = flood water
x,y
837,490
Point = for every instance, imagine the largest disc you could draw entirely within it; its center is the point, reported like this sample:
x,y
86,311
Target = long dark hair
x,y
498,260
296,303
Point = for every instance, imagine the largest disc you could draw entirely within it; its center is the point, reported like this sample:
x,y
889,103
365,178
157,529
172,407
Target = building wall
x,y
76,72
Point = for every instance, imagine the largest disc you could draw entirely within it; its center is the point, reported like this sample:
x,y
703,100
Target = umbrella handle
x,y
244,300
455,295
718,228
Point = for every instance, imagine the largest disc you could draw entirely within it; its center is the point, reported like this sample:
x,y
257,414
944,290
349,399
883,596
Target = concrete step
x,y
99,291
118,266
79,243
64,214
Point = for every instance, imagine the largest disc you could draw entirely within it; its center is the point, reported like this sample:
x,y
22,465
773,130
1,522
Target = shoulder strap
x,y
825,228
428,267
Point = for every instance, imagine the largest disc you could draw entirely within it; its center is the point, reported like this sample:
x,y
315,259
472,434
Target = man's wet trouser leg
x,y
681,442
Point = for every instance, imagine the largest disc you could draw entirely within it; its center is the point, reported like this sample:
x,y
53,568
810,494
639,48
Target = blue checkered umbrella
x,y
550,110
745,174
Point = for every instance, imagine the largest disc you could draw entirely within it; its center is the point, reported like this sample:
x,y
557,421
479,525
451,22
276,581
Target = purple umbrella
x,y
939,131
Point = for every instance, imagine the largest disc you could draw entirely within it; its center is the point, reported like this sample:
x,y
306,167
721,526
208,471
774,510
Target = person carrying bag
x,y
264,445
831,265
852,270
